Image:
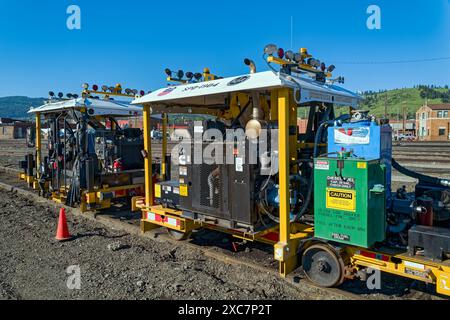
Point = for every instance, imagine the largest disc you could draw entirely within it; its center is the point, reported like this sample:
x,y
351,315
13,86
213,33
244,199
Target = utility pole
x,y
400,107
385,106
404,117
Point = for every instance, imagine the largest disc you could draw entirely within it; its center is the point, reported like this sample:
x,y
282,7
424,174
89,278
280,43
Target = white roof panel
x,y
214,92
99,107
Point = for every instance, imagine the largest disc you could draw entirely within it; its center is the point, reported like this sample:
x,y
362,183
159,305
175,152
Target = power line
x,y
394,61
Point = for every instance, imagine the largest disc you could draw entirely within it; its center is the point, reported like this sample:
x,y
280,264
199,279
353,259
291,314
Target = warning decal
x,y
359,135
322,165
340,182
183,190
341,199
157,190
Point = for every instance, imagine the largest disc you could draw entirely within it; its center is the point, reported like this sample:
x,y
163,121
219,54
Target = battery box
x,y
167,194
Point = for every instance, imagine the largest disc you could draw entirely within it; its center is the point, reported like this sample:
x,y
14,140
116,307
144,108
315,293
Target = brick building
x,y
13,129
433,122
398,126
302,124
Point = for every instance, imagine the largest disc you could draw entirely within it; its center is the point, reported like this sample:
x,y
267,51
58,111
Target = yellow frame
x,y
32,181
60,196
291,235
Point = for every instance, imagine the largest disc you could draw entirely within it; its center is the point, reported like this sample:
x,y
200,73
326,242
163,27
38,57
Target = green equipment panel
x,y
349,201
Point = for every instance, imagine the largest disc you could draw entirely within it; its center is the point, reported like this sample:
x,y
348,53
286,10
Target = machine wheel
x,y
323,266
178,235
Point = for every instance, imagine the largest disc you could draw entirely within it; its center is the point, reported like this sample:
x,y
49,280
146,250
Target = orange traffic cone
x,y
62,233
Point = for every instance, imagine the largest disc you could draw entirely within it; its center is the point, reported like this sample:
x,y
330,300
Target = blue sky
x,y
132,42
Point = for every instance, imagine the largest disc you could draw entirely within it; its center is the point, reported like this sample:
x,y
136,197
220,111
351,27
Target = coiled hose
x,y
311,178
262,204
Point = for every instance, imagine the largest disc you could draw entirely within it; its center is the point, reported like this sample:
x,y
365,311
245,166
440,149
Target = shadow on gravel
x,y
121,211
210,238
93,234
254,252
393,286
99,232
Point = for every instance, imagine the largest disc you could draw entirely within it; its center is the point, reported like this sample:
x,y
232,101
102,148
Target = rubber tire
x,y
330,273
178,235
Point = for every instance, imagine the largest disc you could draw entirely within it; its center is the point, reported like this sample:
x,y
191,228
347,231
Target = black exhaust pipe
x,y
421,177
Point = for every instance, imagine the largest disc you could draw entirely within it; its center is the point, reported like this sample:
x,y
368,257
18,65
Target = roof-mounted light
x,y
280,53
331,68
95,87
270,49
197,76
85,86
180,74
289,55
51,93
168,72
313,62
189,75
323,67
105,88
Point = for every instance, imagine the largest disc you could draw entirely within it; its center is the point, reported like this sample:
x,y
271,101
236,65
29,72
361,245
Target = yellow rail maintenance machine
x,y
322,198
90,160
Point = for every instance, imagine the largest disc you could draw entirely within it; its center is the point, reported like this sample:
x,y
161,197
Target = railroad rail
x,y
296,280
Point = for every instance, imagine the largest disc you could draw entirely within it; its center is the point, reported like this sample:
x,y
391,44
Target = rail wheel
x,y
323,266
178,235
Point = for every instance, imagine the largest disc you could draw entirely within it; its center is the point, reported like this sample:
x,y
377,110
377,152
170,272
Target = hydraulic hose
x,y
311,178
317,139
263,204
235,121
305,206
421,177
211,189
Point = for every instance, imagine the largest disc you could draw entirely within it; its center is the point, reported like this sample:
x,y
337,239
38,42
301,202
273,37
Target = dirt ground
x,y
115,264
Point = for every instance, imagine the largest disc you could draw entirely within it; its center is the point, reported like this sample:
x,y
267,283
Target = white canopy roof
x,y
99,107
215,92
